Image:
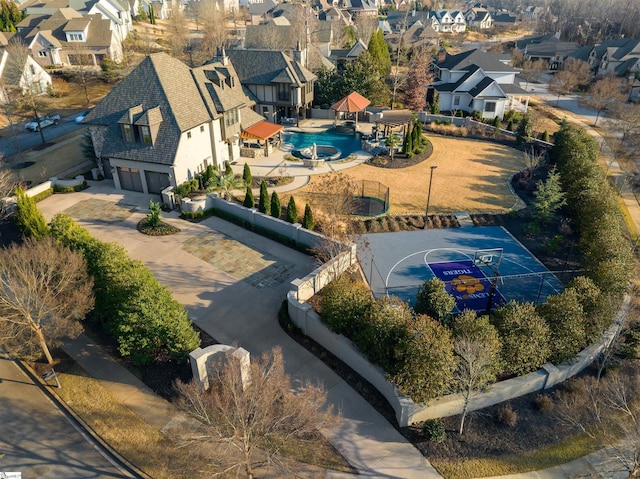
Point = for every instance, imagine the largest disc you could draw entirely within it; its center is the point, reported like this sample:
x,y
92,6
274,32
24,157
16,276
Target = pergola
x,y
262,131
351,105
391,119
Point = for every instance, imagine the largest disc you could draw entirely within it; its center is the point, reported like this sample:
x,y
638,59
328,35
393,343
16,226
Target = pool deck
x,y
276,165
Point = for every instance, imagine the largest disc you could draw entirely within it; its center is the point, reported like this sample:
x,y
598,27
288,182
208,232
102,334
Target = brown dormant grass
x,y
471,176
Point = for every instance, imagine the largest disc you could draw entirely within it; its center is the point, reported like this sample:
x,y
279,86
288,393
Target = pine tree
x,y
307,221
380,52
246,175
545,136
29,218
276,209
249,202
152,15
510,125
227,168
525,130
405,144
292,211
263,204
416,135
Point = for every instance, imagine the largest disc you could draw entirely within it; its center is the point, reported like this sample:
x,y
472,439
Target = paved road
x,y
37,439
25,140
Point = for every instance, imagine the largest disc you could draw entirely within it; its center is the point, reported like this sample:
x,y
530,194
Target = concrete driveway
x,y
234,308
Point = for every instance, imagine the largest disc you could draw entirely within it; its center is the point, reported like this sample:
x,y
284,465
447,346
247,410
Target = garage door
x,y
156,182
129,178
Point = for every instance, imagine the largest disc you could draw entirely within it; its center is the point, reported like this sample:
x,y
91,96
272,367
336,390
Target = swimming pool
x,y
346,142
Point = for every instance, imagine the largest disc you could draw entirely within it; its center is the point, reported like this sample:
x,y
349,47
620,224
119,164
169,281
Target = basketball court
x,y
480,266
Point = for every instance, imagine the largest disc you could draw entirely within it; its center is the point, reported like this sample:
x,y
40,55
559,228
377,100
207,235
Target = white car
x,y
81,116
42,121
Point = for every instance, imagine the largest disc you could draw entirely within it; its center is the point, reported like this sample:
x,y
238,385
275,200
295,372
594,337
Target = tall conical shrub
x,y
249,202
292,211
307,221
276,209
263,204
246,175
29,218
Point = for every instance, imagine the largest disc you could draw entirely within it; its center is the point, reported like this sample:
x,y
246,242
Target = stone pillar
x,y
203,361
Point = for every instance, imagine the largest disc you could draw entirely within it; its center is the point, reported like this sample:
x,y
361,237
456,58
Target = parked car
x,y
44,121
81,116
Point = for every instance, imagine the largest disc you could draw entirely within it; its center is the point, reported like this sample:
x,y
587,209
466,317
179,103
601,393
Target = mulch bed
x,y
400,160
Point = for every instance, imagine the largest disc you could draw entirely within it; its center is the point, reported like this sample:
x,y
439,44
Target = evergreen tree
x,y
405,144
525,130
249,202
380,53
152,15
549,197
510,125
416,134
28,217
276,209
263,203
246,175
228,171
292,211
545,136
307,221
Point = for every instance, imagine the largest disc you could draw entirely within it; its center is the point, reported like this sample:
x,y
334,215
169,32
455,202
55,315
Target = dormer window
x,y
127,131
75,37
231,117
145,135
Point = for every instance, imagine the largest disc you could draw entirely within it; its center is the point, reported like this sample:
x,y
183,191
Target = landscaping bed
x,y
401,160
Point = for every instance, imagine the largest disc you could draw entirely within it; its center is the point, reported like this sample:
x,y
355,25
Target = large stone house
x,y
477,81
166,122
282,86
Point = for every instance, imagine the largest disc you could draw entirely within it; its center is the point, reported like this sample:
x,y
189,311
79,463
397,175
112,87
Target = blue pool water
x,y
346,142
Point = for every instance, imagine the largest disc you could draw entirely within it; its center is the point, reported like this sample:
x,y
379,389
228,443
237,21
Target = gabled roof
x,y
551,48
262,7
581,53
158,82
504,18
53,29
481,86
626,66
265,67
486,61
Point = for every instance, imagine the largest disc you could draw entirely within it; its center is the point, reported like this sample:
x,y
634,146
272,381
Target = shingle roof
x,y
161,82
264,67
261,7
626,66
99,32
486,61
581,53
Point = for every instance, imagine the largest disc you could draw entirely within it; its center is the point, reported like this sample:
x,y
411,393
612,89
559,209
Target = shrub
x,y
433,430
248,202
525,130
510,125
71,189
246,175
276,209
565,318
187,187
543,402
153,218
42,195
292,211
28,217
432,299
506,416
476,115
264,206
307,220
345,304
545,136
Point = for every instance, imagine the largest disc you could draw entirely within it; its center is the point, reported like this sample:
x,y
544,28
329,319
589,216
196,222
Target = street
x,y
25,140
37,439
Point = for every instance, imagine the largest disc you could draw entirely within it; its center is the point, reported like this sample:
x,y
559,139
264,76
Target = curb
x,y
118,461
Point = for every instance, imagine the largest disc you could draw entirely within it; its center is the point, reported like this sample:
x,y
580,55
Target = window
x,y
490,107
32,69
128,133
284,92
231,117
201,128
188,134
145,133
265,111
42,54
75,37
456,100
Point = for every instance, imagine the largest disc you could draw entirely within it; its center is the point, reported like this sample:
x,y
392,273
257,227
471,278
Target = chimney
x,y
300,54
442,55
221,56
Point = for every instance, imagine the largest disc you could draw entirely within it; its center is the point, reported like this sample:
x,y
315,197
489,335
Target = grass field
x,y
471,176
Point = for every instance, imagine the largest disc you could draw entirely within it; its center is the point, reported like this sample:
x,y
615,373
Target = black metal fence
x,y
370,199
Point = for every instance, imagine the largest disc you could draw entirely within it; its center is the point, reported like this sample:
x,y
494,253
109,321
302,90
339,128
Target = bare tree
x,y
251,421
331,196
531,70
365,26
625,119
44,291
604,95
213,25
82,64
178,32
477,346
28,81
8,183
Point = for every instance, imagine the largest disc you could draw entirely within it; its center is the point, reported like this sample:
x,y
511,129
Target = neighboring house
x,y
118,12
416,36
504,20
341,17
258,11
70,38
552,51
340,57
479,18
448,21
620,56
355,8
477,81
21,74
166,122
282,86
400,20
531,13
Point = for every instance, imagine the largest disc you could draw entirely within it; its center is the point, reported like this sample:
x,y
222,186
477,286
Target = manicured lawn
x,y
472,176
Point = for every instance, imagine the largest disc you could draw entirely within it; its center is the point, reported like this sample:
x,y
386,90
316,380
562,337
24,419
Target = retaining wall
x,y
407,412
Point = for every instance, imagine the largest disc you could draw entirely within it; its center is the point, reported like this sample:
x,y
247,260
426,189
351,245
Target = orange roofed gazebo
x,y
350,105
